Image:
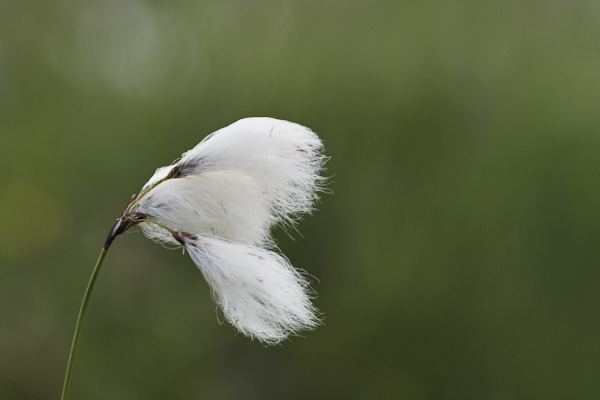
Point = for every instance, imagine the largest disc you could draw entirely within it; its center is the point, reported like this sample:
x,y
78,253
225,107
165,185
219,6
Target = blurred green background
x,y
457,259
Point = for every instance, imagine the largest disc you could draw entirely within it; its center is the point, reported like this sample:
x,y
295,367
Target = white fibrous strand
x,y
160,174
258,290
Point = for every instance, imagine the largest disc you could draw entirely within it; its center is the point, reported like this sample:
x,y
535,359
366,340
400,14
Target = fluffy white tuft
x,y
283,156
226,204
240,181
260,293
159,234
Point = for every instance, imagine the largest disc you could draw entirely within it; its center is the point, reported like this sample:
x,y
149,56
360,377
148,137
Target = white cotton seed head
x,y
284,157
240,181
260,293
226,204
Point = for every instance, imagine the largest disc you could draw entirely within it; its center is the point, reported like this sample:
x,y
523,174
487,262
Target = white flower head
x,y
221,201
259,291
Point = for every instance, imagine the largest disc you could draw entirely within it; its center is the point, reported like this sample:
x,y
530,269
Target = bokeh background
x,y
457,259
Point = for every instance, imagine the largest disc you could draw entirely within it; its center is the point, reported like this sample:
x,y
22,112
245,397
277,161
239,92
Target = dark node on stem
x,y
182,236
119,227
116,230
178,237
176,171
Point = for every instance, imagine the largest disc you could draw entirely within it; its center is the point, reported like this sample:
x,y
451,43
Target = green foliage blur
x,y
457,259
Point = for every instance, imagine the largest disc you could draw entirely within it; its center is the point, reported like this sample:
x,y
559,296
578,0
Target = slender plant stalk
x,y
84,302
117,229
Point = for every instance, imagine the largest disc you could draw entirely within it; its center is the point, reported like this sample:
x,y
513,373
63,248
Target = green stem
x,y
84,302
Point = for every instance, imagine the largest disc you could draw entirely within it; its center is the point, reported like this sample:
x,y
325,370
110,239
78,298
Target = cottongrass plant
x,y
220,202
